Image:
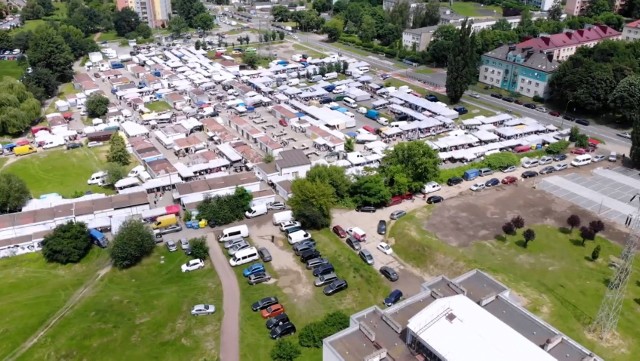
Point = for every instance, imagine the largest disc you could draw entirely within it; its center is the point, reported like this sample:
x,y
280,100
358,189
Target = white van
x,y
284,216
256,210
98,178
581,160
364,69
229,234
244,256
398,124
298,236
350,102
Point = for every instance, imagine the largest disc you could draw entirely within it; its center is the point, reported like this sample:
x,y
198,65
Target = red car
x,y
578,151
554,113
283,122
509,180
407,196
272,311
339,231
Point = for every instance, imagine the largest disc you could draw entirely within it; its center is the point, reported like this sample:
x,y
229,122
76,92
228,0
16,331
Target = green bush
x,y
558,147
501,160
312,334
199,248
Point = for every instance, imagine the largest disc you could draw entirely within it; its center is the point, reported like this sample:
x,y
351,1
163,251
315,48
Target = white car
x,y
94,144
385,248
192,265
561,166
477,187
184,243
626,135
198,310
474,95
289,224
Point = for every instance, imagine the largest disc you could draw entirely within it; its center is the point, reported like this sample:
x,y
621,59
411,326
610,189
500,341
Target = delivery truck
x,y
372,114
24,150
165,221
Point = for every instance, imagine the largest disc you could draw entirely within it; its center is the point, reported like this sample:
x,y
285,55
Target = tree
x,y
189,10
220,210
281,35
280,13
508,228
77,42
367,31
501,160
118,151
321,6
558,147
313,333
574,133
274,35
333,176
68,243
285,350
250,59
41,83
573,221
115,172
143,31
132,243
517,222
125,21
597,8
178,25
13,193
587,234
349,145
18,108
203,21
461,65
415,159
48,50
97,105
370,190
596,226
199,248
529,235
625,100
311,203
88,19
596,253
197,45
32,11
582,141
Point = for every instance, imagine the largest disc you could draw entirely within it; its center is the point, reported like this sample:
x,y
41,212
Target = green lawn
x,y
60,171
472,9
158,106
554,275
11,68
34,290
142,313
108,36
424,71
366,288
309,51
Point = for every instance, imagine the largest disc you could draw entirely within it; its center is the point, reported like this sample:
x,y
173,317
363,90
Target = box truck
x,y
165,221
24,149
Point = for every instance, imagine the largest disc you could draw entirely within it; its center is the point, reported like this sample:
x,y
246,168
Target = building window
x,y
522,80
537,84
521,88
528,90
485,77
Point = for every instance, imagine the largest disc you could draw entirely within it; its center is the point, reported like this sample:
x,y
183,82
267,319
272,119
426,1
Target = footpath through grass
x,y
366,288
554,276
60,171
143,313
33,291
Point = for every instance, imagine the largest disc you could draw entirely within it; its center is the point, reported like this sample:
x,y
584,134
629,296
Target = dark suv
x,y
278,320
454,181
369,209
323,269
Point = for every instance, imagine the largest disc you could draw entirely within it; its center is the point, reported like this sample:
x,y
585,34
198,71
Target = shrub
x,y
518,222
596,226
132,243
573,221
68,243
587,234
558,147
312,334
529,235
285,350
508,228
596,253
199,248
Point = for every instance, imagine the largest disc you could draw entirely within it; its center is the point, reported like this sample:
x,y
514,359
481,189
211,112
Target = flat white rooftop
x,y
450,322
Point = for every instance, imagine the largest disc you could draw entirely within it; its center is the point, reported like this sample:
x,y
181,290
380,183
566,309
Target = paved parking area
x,y
605,192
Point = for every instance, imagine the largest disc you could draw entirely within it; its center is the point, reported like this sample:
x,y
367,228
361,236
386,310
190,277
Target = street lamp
x,y
565,112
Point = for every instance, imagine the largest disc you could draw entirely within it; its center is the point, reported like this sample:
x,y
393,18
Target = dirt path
x,y
96,37
230,332
77,297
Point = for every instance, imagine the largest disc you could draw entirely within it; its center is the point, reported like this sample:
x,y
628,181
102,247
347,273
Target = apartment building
x,y
578,7
631,31
154,13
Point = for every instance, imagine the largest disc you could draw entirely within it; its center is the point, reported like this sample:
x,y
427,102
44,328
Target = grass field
x,y
34,290
109,36
473,9
158,106
366,288
142,313
309,51
60,171
554,275
11,68
424,71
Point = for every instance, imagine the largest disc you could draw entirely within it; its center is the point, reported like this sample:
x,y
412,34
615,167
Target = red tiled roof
x,y
569,38
633,24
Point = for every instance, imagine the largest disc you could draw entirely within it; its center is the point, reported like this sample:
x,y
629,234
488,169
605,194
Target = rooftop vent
x,y
450,317
552,342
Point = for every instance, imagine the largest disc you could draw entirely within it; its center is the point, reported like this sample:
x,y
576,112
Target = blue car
x,y
393,298
253,269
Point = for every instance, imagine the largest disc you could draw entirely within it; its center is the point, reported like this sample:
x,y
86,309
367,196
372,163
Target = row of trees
x,y
18,108
226,209
307,20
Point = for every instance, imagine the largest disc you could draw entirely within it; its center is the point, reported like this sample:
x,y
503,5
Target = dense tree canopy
x,y
48,50
68,243
132,243
18,108
189,10
226,209
14,193
118,153
462,62
125,21
311,203
415,160
97,105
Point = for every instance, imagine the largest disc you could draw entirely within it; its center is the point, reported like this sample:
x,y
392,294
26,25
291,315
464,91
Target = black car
x,y
369,209
492,182
435,199
316,262
309,254
496,95
582,121
389,273
277,321
382,227
569,117
288,231
509,99
302,246
323,269
530,105
461,110
325,100
454,181
74,145
335,287
283,330
264,303
547,170
431,98
354,244
559,157
529,174
264,254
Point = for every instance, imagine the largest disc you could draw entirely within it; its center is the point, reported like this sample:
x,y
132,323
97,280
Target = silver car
x,y
545,160
234,242
561,166
202,309
254,279
599,158
366,256
184,243
397,214
238,247
324,279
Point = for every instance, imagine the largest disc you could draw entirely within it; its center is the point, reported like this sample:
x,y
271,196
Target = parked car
x,y
530,105
233,243
625,135
541,109
304,246
435,199
554,113
454,181
519,102
323,269
275,206
545,160
496,95
509,99
283,122
529,174
282,330
509,180
582,121
559,157
578,151
339,231
192,265
335,287
561,166
508,169
316,262
293,229
199,310
309,254
397,214
264,303
369,209
492,182
382,227
254,279
548,169
569,117
325,279
74,145
272,311
366,256
477,187
277,321
264,254
253,269
354,244
171,246
389,273
474,95
288,224
432,98
233,250
393,298
599,158
171,229
385,248
184,243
